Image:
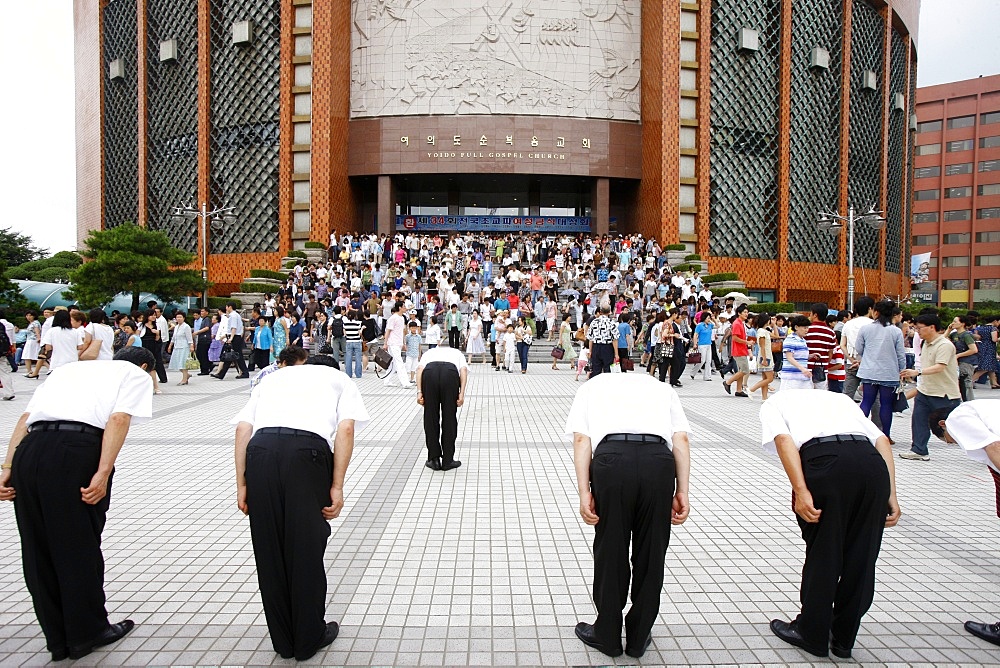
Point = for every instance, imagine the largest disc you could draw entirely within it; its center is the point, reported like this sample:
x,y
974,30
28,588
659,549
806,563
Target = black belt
x,y
837,438
286,431
633,438
67,425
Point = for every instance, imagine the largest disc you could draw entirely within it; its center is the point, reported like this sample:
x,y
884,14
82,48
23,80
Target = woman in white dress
x,y
63,341
476,345
32,345
181,347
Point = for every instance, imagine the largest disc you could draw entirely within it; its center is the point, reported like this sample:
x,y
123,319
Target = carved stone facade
x,y
570,58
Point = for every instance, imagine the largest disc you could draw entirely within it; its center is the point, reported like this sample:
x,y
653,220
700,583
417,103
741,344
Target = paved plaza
x,y
491,563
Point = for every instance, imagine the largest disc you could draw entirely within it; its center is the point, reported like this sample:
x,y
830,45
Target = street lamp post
x,y
220,216
833,223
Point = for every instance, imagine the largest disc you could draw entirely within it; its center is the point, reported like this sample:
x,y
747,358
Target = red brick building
x,y
724,125
956,214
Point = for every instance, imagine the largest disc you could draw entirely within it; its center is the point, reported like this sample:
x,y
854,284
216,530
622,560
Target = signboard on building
x,y
545,224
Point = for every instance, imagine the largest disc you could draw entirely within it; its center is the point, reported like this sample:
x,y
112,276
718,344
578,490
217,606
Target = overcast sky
x,y
958,40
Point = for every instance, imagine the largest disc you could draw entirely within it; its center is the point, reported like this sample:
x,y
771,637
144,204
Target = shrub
x,y
291,264
316,244
693,256
267,273
257,287
683,267
215,303
773,307
297,253
719,278
674,247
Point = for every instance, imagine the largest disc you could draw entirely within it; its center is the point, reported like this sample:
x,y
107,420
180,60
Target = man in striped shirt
x,y
602,335
821,340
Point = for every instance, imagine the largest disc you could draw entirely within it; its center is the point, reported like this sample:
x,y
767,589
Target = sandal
x,y
184,383
157,391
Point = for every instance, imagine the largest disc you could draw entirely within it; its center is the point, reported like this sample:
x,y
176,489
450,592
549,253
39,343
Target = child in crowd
x,y
581,363
411,348
836,372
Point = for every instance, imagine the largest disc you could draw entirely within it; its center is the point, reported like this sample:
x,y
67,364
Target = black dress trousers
x,y
602,359
440,384
201,351
288,485
61,535
849,482
238,345
633,488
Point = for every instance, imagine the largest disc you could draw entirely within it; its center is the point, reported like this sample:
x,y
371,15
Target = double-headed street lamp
x,y
833,223
220,216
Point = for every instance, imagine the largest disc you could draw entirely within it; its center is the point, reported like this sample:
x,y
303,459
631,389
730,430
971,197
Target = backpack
x,y
337,327
6,347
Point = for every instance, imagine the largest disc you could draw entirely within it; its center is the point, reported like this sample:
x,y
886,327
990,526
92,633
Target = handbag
x,y
616,368
558,352
326,349
899,403
527,340
228,354
694,357
819,374
776,345
383,358
627,364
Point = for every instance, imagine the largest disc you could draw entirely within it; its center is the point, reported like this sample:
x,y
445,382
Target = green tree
x,y
132,259
55,269
17,248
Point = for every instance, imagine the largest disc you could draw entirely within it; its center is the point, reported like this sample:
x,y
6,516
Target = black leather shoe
x,y
988,632
637,653
204,374
433,464
839,650
60,654
243,377
113,633
215,376
329,635
788,632
585,632
447,466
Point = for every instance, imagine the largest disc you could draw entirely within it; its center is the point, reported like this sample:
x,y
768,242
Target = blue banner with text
x,y
555,224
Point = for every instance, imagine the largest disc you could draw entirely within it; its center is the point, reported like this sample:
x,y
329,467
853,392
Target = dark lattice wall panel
x,y
744,126
911,102
121,114
815,129
897,162
864,178
245,124
172,89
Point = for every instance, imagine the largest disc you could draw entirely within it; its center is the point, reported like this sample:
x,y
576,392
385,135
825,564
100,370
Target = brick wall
x,y
87,65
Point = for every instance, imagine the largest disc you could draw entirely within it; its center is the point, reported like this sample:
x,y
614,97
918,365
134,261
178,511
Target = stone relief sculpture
x,y
540,57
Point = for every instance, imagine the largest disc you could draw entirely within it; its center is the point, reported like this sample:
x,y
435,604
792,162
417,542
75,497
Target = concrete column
x,y
601,207
386,205
534,197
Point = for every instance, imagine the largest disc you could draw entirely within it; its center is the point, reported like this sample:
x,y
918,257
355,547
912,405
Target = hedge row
x,y
297,253
773,307
315,244
693,256
215,303
686,267
257,287
720,278
267,273
674,247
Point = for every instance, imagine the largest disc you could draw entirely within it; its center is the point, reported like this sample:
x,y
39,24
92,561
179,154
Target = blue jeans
x,y
352,357
922,407
886,395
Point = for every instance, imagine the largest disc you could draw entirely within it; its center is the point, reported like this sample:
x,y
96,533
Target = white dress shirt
x,y
106,336
442,354
807,414
91,392
64,344
976,425
278,401
619,403
164,329
849,334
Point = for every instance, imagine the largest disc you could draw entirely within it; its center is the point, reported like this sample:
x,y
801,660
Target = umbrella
x,y
737,297
569,292
603,285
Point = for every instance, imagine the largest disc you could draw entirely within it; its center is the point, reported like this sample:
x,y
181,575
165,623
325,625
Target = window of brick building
x,y
961,122
958,168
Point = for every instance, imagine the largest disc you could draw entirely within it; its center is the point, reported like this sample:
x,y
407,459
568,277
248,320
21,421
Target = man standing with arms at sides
x,y
291,485
863,311
203,339
395,331
739,352
442,375
937,383
632,473
235,337
602,336
844,494
821,341
975,426
72,430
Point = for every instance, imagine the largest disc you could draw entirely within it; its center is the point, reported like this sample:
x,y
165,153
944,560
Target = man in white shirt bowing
x,y
975,426
632,472
72,431
442,375
291,486
844,493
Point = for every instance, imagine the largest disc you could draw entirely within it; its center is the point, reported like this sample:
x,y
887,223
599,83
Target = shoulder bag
x,y
228,354
558,352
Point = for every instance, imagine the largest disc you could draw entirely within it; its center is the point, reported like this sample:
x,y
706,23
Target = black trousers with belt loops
x,y
633,487
440,384
849,482
289,473
61,535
